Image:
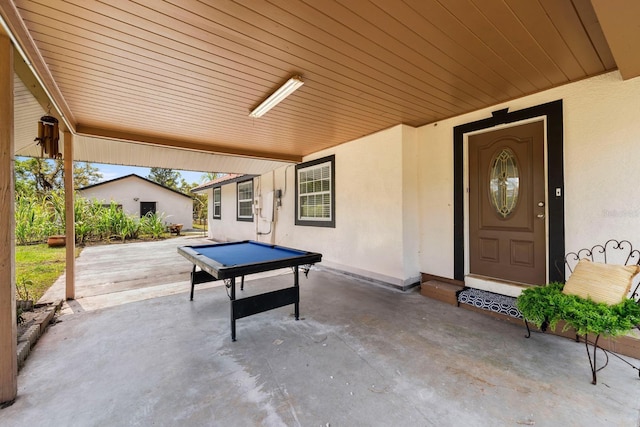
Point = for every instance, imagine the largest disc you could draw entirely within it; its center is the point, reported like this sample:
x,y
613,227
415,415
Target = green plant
x,y
129,228
54,205
23,303
81,213
547,305
539,305
40,216
153,225
25,217
22,288
32,219
586,316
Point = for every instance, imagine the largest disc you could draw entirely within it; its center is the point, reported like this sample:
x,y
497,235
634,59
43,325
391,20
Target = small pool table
x,y
226,261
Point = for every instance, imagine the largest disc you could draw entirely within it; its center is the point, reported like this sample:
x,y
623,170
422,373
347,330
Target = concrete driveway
x,y
116,273
361,355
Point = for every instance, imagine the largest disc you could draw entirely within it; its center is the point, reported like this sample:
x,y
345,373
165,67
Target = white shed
x,y
138,196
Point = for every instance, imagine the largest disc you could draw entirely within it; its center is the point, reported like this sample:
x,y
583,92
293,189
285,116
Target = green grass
x,y
37,268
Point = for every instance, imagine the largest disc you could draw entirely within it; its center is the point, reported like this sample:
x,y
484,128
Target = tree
x,y
167,177
185,187
199,200
210,176
24,183
85,174
39,176
199,206
172,179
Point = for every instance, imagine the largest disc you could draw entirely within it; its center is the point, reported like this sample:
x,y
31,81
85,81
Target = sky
x,y
110,172
116,171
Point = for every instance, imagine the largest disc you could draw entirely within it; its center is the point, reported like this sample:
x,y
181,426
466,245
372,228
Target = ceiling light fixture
x,y
285,90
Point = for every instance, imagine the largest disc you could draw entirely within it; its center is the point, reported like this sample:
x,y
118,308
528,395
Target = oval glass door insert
x,y
504,182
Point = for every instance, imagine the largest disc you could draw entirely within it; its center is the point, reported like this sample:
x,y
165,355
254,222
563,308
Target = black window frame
x,y
213,203
331,223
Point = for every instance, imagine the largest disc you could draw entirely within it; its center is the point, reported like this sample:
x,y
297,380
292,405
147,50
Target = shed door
x,y
147,208
507,237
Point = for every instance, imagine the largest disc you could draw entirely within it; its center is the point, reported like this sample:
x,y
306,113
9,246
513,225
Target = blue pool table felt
x,y
245,253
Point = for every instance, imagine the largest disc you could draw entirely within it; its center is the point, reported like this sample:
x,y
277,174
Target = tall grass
x,y
152,225
38,217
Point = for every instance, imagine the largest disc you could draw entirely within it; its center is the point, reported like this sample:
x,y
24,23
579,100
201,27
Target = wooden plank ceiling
x,y
186,73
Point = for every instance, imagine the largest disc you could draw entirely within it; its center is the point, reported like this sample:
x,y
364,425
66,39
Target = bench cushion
x,y
607,283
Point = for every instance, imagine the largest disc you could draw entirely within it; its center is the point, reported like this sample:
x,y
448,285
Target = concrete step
x,y
441,291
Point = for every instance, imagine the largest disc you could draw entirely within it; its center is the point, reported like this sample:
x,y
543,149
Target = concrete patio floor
x,y
138,352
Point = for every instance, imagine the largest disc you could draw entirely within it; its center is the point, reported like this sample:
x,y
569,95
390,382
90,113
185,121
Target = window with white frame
x,y
217,203
315,193
245,201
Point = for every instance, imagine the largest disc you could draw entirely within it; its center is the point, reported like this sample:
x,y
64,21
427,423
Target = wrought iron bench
x,y
614,253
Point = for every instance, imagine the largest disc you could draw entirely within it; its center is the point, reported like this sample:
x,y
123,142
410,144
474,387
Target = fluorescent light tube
x,y
285,90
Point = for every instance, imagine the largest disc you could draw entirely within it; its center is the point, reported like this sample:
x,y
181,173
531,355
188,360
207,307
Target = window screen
x,y
245,201
315,198
217,203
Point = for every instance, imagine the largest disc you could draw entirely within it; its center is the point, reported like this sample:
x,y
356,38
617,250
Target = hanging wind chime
x,y
48,136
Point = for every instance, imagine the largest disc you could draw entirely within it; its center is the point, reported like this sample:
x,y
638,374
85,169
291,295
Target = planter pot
x,y
56,241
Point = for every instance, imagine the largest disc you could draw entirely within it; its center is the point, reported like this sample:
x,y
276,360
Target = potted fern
x,y
545,306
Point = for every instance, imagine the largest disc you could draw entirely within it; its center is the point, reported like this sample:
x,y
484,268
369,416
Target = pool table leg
x,y
296,284
233,314
193,281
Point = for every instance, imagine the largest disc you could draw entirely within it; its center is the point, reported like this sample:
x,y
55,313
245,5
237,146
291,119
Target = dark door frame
x,y
555,181
155,206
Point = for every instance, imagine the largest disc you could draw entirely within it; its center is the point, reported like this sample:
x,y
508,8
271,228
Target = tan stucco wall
x,y
376,209
227,228
369,238
394,189
601,168
175,208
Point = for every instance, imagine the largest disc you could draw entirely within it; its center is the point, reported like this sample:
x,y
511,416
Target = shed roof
x,y
133,175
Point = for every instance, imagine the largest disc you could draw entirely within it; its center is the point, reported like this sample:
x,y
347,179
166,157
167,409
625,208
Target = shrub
x,y
543,305
153,225
38,217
